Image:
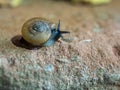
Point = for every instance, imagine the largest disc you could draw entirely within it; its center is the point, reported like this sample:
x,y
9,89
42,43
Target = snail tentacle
x,y
55,35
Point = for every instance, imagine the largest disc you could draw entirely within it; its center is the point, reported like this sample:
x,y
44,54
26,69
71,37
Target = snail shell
x,y
37,30
41,32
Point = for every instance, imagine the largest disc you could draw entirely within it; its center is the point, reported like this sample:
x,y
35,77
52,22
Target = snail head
x,y
55,35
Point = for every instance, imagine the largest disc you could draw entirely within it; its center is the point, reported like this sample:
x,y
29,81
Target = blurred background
x,y
15,3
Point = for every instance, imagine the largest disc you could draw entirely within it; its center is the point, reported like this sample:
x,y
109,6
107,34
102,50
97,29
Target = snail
x,y
41,32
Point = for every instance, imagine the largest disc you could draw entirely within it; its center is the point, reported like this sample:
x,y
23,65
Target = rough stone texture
x,y
90,62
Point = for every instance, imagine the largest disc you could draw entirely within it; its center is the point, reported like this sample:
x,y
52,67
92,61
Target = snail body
x,y
41,32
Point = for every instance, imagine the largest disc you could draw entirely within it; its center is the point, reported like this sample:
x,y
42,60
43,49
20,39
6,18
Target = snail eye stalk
x,y
58,29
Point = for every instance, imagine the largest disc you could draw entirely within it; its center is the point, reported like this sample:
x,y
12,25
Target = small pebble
x,y
49,68
62,60
86,41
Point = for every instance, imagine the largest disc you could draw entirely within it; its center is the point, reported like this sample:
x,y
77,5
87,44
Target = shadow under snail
x,y
41,32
